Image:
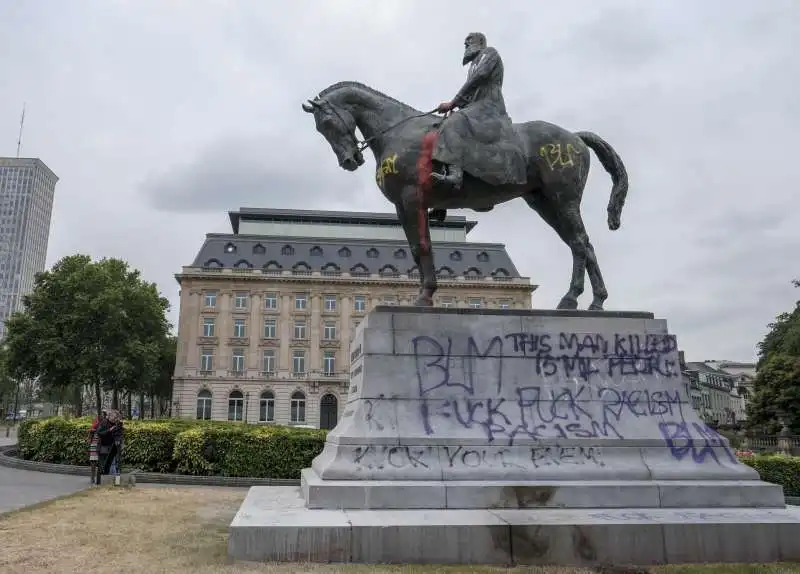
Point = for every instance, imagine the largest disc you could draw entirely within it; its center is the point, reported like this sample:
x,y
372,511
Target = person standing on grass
x,y
115,430
105,434
94,447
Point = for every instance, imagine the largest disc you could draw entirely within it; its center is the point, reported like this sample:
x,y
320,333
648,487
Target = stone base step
x,y
273,525
415,494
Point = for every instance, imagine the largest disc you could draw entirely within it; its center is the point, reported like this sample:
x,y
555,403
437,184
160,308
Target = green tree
x,y
776,397
88,322
158,387
8,386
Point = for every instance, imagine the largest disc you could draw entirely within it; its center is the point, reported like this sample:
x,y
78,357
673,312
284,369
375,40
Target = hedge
x,y
181,446
777,469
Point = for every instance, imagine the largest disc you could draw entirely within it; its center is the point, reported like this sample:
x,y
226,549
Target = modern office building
x,y
27,188
267,312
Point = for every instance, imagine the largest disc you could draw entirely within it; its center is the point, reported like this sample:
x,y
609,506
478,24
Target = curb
x,y
8,459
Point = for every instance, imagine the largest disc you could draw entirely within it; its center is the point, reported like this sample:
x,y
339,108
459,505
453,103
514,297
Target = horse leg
x,y
599,291
415,225
546,208
542,205
581,248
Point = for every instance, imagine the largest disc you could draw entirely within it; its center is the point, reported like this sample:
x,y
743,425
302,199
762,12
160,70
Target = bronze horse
x,y
558,165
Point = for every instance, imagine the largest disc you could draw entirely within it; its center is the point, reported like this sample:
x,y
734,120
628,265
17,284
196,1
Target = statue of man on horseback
x,y
479,138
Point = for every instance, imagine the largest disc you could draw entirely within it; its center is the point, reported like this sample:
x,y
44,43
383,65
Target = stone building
x,y
267,312
713,393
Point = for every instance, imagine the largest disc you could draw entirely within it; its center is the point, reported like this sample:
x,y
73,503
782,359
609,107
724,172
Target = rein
x,y
362,145
365,144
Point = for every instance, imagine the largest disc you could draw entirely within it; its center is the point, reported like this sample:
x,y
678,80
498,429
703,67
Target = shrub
x,y
778,469
181,445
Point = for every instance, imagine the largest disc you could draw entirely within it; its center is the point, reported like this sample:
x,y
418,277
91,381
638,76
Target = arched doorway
x,y
328,412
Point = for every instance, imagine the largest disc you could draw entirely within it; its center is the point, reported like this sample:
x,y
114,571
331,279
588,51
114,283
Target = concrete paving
x,y
20,488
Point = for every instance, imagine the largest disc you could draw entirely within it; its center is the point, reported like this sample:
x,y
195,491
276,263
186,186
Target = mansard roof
x,y
359,255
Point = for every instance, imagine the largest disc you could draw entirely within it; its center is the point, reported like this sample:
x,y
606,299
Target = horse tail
x,y
616,169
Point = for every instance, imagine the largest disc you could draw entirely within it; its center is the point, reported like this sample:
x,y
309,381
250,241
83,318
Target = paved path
x,y
20,488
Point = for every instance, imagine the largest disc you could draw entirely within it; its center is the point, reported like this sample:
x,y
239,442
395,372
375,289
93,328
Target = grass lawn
x,y
164,530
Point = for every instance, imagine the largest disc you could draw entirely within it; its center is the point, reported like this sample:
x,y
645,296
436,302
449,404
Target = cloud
x,y
159,118
240,171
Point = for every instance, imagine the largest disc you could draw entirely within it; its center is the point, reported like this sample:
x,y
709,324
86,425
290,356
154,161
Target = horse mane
x,y
366,88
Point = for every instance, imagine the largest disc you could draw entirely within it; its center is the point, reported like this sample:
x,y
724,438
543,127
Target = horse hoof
x,y
567,304
423,301
595,307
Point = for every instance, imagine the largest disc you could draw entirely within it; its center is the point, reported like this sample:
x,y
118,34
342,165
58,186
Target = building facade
x,y
27,188
267,312
743,376
719,390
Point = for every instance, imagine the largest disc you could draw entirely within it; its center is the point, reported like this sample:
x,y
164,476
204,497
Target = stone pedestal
x,y
517,437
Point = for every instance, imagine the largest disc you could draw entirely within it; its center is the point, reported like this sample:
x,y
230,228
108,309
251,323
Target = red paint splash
x,y
424,170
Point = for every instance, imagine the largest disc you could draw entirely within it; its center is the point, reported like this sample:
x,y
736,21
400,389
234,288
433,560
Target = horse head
x,y
338,126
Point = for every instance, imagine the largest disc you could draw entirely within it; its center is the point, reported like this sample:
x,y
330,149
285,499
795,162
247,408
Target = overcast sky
x,y
159,116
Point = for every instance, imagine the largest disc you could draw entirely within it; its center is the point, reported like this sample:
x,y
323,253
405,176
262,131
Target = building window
x,y
298,362
329,331
298,407
270,301
446,302
204,405
329,362
240,328
207,360
359,303
475,303
208,326
389,300
237,361
330,302
505,304
235,406
301,301
266,407
270,328
269,361
240,300
210,300
300,329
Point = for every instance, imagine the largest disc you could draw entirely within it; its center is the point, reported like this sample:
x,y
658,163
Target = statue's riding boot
x,y
454,177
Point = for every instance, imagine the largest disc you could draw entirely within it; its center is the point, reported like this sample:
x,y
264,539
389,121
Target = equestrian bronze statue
x,y
472,158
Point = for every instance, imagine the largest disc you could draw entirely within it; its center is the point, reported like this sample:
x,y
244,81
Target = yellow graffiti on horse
x,y
387,167
557,156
